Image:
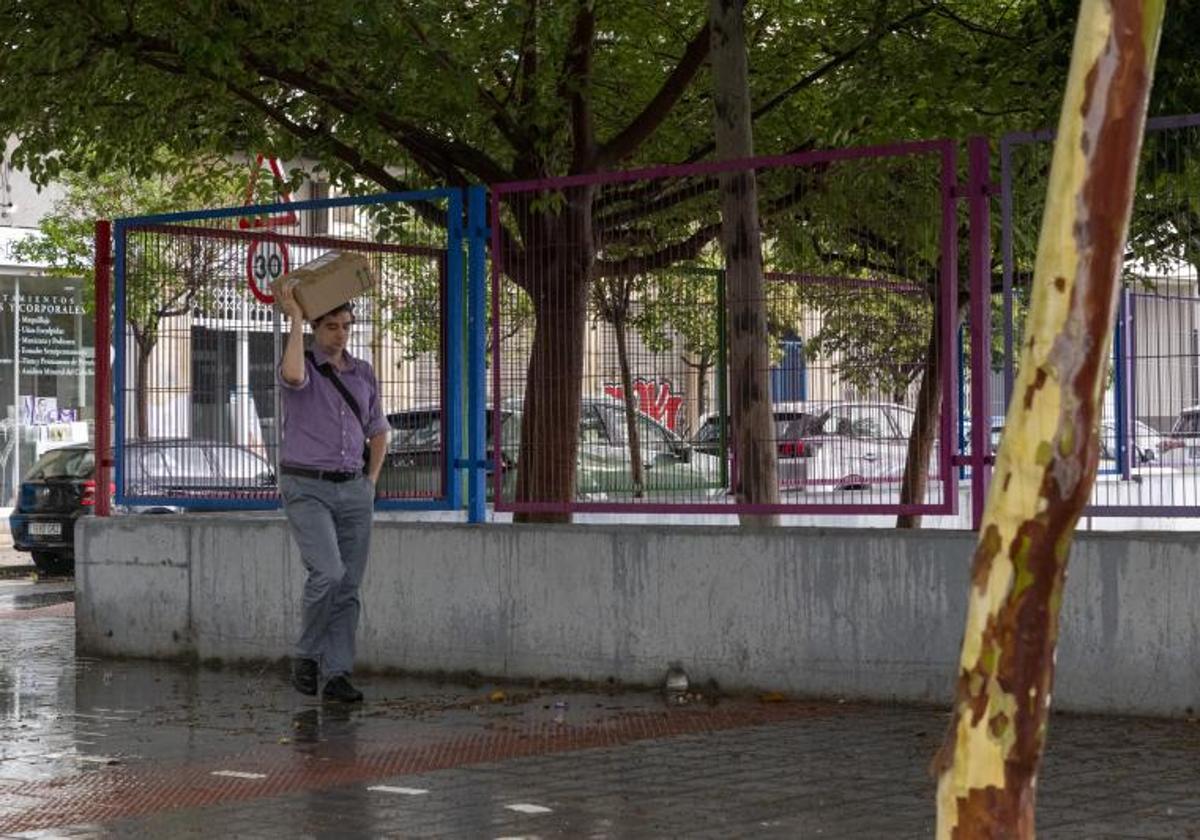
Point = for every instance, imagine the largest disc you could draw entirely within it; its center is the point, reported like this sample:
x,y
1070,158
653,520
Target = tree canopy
x,y
395,96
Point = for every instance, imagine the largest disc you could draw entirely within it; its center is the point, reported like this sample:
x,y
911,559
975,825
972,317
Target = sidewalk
x,y
118,748
13,563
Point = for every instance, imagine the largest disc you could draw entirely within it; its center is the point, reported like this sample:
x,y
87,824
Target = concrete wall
x,y
856,613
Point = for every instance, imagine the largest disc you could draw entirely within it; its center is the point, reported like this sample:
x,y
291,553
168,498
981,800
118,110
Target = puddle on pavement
x,y
37,600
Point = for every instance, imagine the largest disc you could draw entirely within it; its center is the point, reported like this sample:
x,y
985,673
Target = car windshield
x,y
710,429
236,463
858,422
1187,424
416,428
185,462
63,463
792,426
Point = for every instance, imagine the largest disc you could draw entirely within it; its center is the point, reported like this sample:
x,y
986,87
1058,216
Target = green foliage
x,y
65,239
399,95
877,340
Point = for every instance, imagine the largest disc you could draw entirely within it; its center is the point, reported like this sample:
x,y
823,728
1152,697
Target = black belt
x,y
322,475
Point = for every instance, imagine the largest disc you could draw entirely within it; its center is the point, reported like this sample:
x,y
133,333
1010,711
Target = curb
x,y
9,572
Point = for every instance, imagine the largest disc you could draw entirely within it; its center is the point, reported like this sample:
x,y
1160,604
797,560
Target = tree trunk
x,y
702,368
925,425
987,767
562,254
750,409
141,389
630,399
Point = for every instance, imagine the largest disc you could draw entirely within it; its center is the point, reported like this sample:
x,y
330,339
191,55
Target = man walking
x,y
332,423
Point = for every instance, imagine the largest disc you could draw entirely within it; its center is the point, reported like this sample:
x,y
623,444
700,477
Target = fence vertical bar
x,y
1126,415
118,341
722,389
497,268
477,232
979,200
103,378
453,321
961,425
948,311
1006,254
1121,427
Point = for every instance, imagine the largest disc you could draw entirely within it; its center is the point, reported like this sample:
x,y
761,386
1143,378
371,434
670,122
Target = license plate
x,y
45,529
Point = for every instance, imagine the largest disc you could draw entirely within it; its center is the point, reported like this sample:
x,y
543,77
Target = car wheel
x,y
49,563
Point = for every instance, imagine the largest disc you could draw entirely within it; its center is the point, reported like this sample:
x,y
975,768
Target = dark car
x,y
61,487
413,463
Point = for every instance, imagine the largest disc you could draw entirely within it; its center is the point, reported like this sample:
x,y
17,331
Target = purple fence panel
x,y
1150,426
610,386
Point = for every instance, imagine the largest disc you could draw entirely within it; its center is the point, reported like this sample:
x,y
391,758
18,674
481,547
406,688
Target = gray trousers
x,y
331,523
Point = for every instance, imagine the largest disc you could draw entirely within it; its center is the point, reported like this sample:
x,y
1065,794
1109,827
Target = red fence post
x,y
103,378
979,191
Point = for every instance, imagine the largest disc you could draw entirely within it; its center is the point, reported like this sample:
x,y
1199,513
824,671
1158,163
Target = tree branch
x,y
819,73
663,201
627,141
945,11
309,134
500,116
573,87
529,58
686,249
446,155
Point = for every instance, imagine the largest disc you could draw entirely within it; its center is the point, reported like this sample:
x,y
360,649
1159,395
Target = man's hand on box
x,y
288,303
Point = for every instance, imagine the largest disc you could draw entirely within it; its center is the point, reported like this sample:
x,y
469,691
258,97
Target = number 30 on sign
x,y
267,260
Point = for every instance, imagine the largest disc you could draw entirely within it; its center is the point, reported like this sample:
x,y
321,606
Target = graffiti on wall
x,y
655,398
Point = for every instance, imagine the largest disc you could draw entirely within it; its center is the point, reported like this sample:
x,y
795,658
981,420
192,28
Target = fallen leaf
x,y
772,697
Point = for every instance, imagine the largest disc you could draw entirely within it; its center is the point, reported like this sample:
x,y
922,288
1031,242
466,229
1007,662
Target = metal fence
x,y
1150,434
608,335
197,343
611,341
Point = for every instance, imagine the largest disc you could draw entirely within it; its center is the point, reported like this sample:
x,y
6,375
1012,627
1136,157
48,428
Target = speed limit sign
x,y
267,260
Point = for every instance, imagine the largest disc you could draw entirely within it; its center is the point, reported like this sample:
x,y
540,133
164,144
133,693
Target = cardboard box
x,y
327,282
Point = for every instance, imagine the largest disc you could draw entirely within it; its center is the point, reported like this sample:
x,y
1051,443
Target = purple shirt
x,y
319,427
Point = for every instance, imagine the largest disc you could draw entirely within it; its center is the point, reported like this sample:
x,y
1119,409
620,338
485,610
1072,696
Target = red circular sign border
x,y
262,296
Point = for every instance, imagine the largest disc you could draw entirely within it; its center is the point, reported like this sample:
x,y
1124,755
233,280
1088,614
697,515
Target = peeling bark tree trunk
x,y
749,386
920,441
987,767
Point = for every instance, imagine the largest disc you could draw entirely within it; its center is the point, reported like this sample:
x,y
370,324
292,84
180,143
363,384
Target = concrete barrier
x,y
855,613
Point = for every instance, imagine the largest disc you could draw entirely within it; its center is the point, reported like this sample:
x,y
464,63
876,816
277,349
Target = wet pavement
x,y
116,748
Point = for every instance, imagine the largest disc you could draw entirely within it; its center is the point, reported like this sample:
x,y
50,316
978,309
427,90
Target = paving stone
x,y
92,747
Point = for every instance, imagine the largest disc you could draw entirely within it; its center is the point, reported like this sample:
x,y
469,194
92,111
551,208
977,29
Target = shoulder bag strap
x,y
326,370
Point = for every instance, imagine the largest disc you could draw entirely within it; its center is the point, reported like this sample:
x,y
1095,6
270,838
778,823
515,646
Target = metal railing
x,y
197,343
607,331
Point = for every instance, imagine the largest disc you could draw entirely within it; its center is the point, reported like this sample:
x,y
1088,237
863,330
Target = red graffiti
x,y
654,399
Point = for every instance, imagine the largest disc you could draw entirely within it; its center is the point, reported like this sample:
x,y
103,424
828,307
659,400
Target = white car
x,y
833,445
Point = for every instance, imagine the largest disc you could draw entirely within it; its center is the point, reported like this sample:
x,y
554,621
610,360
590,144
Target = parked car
x,y
412,466
61,487
1181,446
1146,443
671,469
838,445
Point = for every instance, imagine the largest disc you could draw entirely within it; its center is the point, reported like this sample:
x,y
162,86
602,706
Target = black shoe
x,y
304,676
339,689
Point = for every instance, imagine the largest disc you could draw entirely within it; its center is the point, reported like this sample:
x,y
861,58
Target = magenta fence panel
x,y
609,336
